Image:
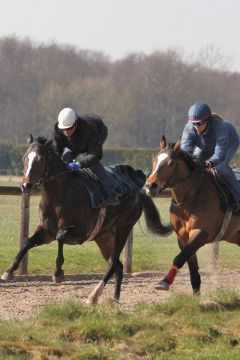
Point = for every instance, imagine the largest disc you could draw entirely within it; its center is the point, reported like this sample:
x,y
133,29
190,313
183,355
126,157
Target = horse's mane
x,y
189,160
42,140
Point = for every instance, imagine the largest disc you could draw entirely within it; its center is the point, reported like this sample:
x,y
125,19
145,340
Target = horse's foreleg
x,y
40,237
58,275
197,240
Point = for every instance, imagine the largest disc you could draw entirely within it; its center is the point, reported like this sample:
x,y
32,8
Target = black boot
x,y
236,206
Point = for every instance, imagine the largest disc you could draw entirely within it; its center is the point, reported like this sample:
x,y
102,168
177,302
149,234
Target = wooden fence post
x,y
24,231
215,253
127,261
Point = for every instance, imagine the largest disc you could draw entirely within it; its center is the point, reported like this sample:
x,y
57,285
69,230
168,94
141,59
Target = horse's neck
x,y
57,165
59,181
54,177
187,181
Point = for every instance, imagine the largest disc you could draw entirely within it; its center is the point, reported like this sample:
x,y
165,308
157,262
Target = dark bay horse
x,y
197,210
67,216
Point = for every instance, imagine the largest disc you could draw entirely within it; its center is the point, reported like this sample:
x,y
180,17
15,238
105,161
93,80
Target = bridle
x,y
173,181
47,177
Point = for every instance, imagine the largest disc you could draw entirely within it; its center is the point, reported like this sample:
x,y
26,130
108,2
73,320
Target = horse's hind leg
x,y
97,292
118,280
40,237
114,266
194,274
193,269
58,274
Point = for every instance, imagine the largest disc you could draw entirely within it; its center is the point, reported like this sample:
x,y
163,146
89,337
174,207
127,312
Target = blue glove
x,y
73,166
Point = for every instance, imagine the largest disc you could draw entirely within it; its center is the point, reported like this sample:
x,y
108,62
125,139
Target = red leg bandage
x,y
171,275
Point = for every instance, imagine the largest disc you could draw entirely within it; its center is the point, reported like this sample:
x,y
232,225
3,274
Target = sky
x,y
120,27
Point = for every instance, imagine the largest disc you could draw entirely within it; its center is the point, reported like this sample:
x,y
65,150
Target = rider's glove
x,y
73,166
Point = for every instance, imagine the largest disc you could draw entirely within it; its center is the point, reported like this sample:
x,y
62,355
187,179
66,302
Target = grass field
x,y
149,252
183,328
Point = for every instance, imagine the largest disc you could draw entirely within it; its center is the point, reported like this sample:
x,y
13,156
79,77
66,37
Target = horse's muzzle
x,y
152,189
27,188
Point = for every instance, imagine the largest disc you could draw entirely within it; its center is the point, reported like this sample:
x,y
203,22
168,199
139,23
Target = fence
x,y
24,230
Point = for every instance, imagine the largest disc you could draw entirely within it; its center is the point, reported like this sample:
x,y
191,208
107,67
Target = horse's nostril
x,y
153,186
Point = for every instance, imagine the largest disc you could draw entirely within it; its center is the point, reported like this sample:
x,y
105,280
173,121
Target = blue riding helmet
x,y
199,112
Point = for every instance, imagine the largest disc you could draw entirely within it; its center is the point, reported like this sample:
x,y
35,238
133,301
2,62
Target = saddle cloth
x,y
127,182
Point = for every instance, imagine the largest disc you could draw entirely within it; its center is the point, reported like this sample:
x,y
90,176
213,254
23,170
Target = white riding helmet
x,y
66,118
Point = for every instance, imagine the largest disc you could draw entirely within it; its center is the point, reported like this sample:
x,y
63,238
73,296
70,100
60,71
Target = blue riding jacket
x,y
218,144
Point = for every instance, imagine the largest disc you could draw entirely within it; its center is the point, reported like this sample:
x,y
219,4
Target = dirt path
x,y
27,294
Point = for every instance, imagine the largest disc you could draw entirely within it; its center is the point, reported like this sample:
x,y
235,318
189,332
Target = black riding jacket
x,y
88,138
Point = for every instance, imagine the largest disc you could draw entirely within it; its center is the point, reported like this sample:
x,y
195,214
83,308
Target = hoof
x,y
162,285
113,302
58,277
7,276
91,301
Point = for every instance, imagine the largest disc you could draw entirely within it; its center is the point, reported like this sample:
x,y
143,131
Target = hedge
x,y
139,158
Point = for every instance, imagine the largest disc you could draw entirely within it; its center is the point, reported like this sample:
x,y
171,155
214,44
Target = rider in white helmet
x,y
66,118
85,134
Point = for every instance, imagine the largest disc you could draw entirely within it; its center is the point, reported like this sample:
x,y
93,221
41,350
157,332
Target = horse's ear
x,y
30,139
163,143
177,145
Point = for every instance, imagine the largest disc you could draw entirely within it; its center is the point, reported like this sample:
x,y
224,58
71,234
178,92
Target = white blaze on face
x,y
31,157
160,159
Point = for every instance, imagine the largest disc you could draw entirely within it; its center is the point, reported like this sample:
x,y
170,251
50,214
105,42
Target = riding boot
x,y
236,206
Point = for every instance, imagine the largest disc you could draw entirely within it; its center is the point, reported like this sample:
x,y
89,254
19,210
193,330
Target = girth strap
x,y
226,221
98,225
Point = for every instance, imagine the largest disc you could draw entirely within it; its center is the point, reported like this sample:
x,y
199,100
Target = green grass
x,y
182,328
149,252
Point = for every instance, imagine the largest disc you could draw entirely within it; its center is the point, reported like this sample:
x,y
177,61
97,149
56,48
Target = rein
x,y
190,193
50,178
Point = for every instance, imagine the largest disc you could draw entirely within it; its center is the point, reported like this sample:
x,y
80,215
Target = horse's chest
x,y
180,220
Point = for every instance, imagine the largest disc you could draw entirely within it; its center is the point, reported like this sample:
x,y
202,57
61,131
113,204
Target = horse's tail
x,y
152,217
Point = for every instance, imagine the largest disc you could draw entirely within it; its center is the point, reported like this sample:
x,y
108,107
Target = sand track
x,y
26,295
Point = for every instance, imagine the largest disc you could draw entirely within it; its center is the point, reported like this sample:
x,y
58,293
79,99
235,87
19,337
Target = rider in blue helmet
x,y
213,142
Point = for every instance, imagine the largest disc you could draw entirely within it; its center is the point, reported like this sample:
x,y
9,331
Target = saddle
x,y
127,182
225,195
